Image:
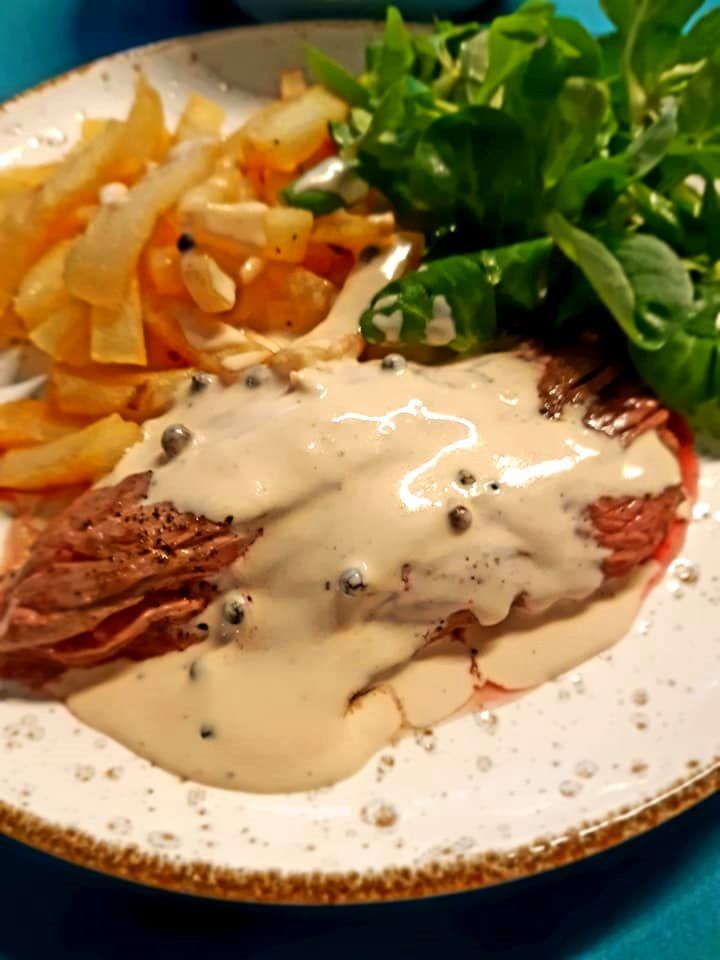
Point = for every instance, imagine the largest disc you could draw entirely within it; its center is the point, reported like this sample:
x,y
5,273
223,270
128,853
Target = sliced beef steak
x,y
111,575
114,576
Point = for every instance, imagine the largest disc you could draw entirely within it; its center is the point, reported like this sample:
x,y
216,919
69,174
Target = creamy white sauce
x,y
352,466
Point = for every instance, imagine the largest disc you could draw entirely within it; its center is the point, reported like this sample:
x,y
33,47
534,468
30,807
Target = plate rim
x,y
464,873
318,888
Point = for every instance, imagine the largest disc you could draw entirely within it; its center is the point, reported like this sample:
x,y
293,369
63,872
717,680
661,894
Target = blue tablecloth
x,y
657,897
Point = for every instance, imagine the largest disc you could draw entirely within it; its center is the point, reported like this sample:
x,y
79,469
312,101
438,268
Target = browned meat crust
x,y
114,576
111,575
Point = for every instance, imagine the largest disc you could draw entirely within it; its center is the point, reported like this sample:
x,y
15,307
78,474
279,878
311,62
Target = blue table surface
x,y
657,896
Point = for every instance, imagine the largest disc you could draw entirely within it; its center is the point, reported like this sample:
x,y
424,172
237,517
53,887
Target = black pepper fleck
x,y
233,612
206,731
185,242
460,519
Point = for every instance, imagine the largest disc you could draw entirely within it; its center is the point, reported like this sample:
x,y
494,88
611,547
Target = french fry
x,y
287,233
95,392
27,422
12,329
200,118
287,132
65,335
284,297
207,283
226,185
92,126
118,336
144,137
292,84
43,290
354,232
333,263
162,266
101,263
36,218
167,341
79,457
24,178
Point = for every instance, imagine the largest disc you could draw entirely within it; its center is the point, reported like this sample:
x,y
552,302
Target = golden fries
x,y
141,255
200,118
79,457
24,178
284,297
209,286
43,289
288,132
95,392
24,423
292,84
118,336
353,231
287,233
101,263
65,335
34,216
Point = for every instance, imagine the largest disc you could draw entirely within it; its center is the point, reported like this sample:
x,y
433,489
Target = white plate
x,y
567,770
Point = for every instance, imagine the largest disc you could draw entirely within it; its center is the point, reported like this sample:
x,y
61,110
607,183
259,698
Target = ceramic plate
x,y
601,754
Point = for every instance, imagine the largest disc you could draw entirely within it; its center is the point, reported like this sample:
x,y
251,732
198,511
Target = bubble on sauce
x,y
487,720
586,769
577,682
570,788
426,739
483,764
84,772
685,571
379,813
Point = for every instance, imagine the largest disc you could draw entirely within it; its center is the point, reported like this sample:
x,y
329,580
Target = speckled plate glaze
x,y
600,755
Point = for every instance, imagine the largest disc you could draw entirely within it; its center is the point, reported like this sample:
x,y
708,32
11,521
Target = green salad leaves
x,y
560,181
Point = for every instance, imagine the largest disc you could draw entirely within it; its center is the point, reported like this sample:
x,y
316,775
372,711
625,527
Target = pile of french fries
x,y
144,254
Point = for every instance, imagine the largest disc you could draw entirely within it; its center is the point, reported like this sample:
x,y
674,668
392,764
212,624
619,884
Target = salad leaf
x,y
330,74
475,167
616,173
318,202
451,303
684,373
511,43
520,272
602,270
465,290
562,182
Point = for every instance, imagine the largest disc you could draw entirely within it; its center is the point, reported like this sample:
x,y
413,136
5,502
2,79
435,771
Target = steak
x,y
113,576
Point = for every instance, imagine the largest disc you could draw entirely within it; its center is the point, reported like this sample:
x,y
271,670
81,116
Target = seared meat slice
x,y
619,406
111,575
114,576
